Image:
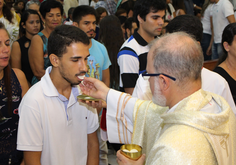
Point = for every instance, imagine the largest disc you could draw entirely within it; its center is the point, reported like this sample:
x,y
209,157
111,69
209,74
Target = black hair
x,y
81,11
178,4
111,35
120,11
16,4
99,11
227,36
70,11
25,17
7,13
143,7
186,23
46,6
128,23
122,19
63,36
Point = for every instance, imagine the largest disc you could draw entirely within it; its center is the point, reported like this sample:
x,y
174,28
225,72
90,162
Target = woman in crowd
x,y
21,5
179,7
51,11
227,63
110,35
13,87
207,30
30,25
101,13
10,20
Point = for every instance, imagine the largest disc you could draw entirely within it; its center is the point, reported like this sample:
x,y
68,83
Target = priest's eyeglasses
x,y
146,76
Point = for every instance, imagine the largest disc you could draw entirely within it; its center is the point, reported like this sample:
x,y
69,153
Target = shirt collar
x,y
50,90
139,38
173,108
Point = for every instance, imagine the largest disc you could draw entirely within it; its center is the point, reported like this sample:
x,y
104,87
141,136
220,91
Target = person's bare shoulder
x,y
22,79
36,38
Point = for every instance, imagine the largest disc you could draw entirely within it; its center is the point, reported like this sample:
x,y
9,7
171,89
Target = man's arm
x,y
36,59
231,19
209,51
106,77
129,90
93,149
32,157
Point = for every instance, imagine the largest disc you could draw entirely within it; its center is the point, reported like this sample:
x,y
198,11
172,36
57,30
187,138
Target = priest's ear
x,y
164,82
54,59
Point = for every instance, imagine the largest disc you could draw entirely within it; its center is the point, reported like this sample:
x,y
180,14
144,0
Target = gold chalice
x,y
131,151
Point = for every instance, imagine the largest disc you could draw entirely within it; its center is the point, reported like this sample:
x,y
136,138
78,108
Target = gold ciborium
x,y
131,151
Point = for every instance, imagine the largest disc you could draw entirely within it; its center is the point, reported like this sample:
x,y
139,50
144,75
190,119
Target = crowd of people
x,y
140,60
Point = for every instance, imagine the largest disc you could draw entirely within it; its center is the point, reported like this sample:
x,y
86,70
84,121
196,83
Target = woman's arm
x,y
15,59
36,59
22,79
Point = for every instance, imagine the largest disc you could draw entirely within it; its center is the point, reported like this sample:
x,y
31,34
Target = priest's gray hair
x,y
179,55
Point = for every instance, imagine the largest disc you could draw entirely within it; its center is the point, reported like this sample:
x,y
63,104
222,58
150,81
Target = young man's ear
x,y
54,59
140,20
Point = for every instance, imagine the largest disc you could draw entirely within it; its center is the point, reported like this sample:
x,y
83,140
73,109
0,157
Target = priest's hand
x,y
94,88
122,160
95,104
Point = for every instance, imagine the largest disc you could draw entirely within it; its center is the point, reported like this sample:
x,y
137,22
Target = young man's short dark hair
x,y
186,23
64,36
46,6
143,7
128,23
82,11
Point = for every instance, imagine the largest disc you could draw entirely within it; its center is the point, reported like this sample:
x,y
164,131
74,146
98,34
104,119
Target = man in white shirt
x,y
54,128
222,15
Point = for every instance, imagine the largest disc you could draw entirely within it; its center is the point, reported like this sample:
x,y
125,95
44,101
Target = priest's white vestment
x,y
189,134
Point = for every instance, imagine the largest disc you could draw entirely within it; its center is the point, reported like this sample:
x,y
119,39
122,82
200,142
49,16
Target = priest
x,y
183,124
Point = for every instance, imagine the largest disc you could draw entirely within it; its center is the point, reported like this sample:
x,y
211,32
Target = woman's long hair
x,y
7,82
205,5
178,4
7,13
110,34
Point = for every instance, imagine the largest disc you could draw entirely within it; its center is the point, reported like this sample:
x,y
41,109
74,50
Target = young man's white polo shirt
x,y
45,125
220,12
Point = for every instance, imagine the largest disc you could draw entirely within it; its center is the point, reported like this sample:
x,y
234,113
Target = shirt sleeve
x,y
228,9
30,132
120,107
129,68
142,89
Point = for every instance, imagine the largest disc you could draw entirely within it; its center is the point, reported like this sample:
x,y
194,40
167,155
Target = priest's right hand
x,y
94,88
